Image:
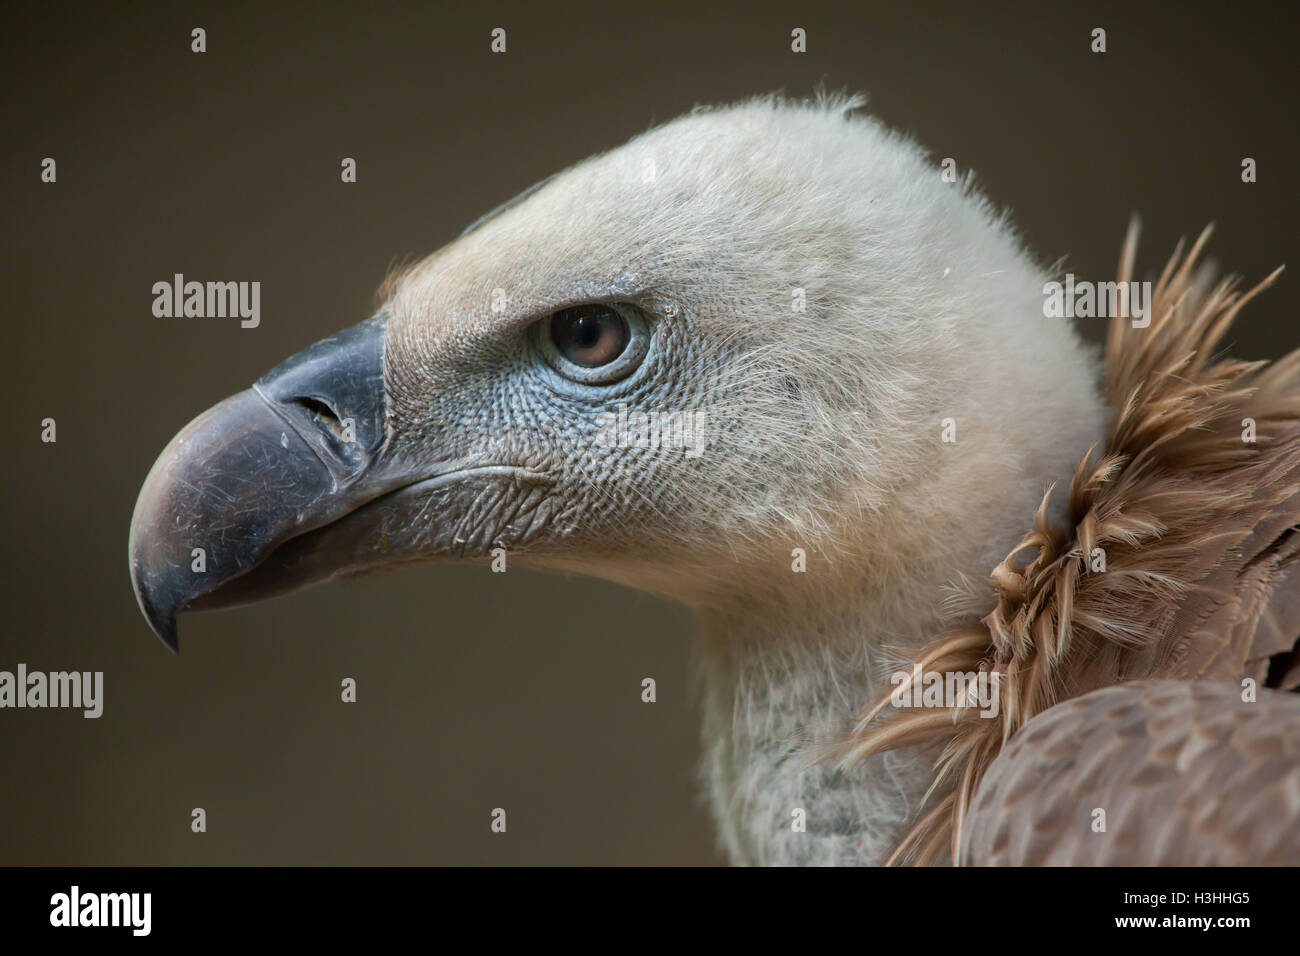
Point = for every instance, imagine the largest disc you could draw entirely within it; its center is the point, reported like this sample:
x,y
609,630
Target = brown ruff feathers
x,y
1198,531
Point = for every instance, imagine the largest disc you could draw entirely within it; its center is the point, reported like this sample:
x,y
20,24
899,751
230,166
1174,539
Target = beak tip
x,y
162,621
168,636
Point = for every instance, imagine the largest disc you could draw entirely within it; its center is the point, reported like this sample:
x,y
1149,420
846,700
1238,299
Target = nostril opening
x,y
322,413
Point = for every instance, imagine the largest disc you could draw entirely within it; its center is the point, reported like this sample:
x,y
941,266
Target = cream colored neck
x,y
775,681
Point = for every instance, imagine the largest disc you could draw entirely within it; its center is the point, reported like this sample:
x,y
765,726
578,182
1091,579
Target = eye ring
x,y
595,343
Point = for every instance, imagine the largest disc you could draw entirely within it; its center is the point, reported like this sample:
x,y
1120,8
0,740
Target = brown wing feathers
x,y
1144,773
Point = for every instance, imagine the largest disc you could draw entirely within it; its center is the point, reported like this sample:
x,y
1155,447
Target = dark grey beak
x,y
296,452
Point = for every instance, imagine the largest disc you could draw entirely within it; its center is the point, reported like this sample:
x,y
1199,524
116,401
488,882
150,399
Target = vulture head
x,y
740,334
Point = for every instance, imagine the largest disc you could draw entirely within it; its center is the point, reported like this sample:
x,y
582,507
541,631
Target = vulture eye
x,y
595,344
590,335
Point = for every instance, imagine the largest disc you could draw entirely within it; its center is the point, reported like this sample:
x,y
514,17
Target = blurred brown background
x,y
475,690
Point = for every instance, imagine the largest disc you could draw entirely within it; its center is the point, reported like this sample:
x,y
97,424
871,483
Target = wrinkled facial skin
x,y
492,398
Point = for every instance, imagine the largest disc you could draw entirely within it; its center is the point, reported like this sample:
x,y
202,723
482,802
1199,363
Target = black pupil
x,y
589,335
587,332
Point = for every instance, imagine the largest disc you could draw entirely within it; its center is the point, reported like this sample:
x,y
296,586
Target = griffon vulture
x,y
768,362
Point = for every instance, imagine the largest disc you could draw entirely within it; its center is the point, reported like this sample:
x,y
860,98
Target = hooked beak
x,y
286,484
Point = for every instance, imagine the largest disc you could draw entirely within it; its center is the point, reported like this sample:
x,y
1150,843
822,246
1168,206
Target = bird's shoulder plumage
x,y
1178,561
